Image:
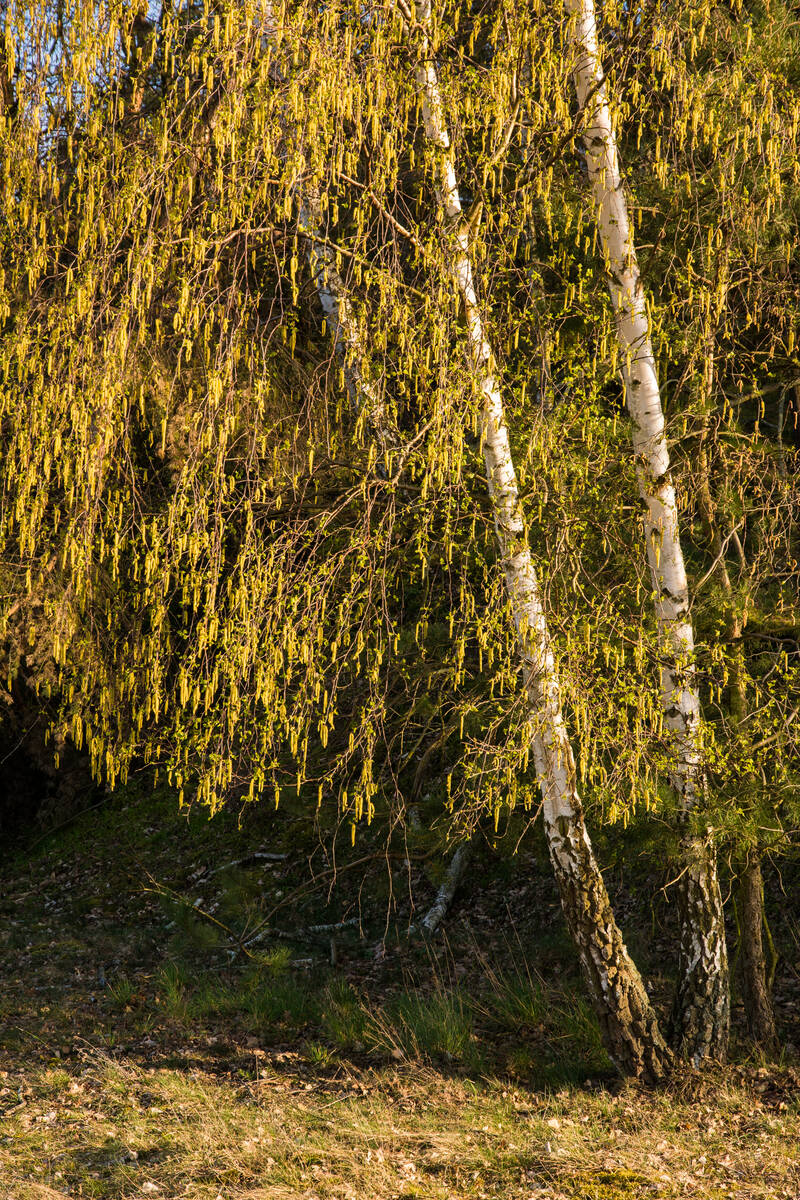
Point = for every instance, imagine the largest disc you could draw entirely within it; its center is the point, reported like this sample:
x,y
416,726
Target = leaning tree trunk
x,y
629,1025
348,338
701,1012
453,876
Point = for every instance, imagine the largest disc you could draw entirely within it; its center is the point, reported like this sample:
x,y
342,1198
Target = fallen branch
x,y
249,861
161,889
453,876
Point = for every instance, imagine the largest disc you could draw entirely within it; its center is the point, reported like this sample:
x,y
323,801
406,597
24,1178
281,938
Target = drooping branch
x,y
340,316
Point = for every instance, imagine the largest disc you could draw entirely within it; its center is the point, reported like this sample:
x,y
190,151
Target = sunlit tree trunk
x,y
620,1000
702,1004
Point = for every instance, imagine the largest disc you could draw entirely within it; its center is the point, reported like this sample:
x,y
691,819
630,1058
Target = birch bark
x,y
340,317
701,1015
343,323
620,1000
455,872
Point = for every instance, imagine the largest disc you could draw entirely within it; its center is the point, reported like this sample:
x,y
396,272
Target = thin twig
x,y
161,889
719,557
401,229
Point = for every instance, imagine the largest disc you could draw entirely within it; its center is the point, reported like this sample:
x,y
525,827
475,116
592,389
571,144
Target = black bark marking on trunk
x,y
627,1020
700,1021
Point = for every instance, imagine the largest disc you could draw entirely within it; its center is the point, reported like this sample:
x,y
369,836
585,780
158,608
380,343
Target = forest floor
x,y
175,1023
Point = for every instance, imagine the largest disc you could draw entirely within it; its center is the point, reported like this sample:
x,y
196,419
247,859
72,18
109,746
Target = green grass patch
x,y
513,999
425,1028
266,999
344,1018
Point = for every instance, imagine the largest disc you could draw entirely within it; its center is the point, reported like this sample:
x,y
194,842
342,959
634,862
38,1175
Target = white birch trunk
x,y
454,873
456,870
340,317
701,1014
619,997
348,338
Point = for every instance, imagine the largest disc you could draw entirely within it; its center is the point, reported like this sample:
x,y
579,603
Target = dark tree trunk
x,y
755,992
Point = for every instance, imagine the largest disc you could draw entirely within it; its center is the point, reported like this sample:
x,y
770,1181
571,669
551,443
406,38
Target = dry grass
x,y
114,1129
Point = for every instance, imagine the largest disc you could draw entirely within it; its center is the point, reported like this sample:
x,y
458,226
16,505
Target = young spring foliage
x,y
209,562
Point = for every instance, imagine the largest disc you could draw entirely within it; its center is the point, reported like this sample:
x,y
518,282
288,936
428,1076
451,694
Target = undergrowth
x,y
142,1045
434,1025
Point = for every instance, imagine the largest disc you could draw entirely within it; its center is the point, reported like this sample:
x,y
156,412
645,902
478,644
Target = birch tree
x,y
618,994
716,101
230,579
701,1014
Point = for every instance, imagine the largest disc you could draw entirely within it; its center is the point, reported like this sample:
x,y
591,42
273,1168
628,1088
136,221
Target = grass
x,y
112,1128
425,1028
344,1017
121,990
441,1025
265,1001
418,1071
516,1001
513,998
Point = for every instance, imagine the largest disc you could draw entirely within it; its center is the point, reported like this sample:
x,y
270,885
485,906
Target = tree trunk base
x,y
700,1023
627,1020
755,992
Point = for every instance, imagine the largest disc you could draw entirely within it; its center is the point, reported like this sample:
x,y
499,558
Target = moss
x,y
607,1185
